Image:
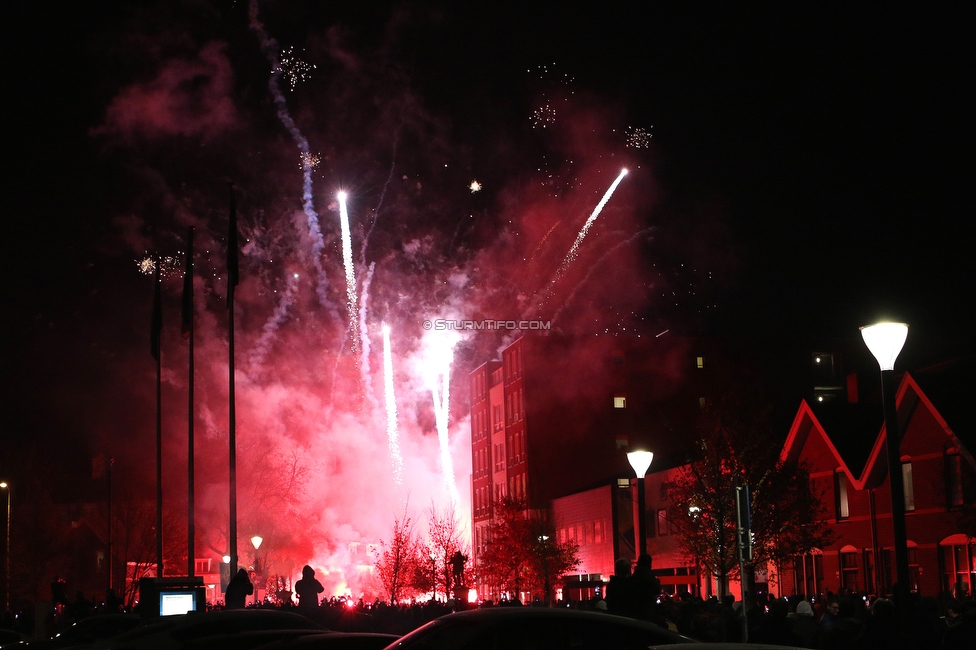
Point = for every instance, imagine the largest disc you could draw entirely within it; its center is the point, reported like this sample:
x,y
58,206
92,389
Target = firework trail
x,y
594,266
352,300
392,430
574,249
440,388
270,48
270,329
364,369
379,204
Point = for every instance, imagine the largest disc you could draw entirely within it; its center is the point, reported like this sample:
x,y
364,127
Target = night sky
x,y
810,169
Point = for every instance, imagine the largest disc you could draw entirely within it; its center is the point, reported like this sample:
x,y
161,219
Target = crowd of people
x,y
825,622
828,622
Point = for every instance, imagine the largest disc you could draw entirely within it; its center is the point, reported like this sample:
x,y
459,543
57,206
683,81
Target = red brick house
x,y
845,453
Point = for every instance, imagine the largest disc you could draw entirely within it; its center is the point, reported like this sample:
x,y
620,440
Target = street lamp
x,y
256,543
6,573
885,341
640,461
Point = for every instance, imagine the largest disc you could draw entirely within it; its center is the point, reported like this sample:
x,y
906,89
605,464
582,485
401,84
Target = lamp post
x,y
640,461
256,543
885,341
6,572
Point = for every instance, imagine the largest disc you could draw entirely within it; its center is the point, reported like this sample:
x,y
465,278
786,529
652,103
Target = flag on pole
x,y
232,268
188,287
156,329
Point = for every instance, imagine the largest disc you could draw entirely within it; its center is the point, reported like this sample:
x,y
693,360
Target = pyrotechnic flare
x,y
351,300
364,367
440,388
392,429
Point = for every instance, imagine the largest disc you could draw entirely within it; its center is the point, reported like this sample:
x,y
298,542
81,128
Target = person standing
x,y
308,589
238,590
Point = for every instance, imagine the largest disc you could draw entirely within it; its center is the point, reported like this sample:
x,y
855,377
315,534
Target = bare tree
x,y
397,559
445,539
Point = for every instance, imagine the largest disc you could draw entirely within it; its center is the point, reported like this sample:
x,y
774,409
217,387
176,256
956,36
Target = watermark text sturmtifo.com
x,y
486,324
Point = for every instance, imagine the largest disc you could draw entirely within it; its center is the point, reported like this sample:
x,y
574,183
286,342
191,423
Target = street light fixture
x,y
6,573
885,341
640,461
256,543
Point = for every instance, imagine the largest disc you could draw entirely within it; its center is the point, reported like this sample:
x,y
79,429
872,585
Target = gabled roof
x,y
804,425
850,423
908,398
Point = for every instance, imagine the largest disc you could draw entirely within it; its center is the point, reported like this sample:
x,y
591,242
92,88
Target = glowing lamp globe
x,y
640,461
226,559
256,541
885,341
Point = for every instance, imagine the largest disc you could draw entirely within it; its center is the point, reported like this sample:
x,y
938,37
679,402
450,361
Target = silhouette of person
x,y
238,589
457,567
646,588
57,592
619,590
308,589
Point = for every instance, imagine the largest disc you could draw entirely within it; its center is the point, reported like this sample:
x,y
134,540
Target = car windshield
x,y
538,633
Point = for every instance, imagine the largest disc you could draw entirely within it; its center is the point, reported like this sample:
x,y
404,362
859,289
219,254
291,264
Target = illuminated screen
x,y
176,602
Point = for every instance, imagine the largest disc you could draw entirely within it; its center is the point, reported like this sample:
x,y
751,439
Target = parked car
x,y
11,637
334,641
173,632
86,632
518,628
293,640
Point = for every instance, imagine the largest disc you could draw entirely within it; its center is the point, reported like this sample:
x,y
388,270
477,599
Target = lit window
x,y
906,477
623,482
700,361
619,402
840,495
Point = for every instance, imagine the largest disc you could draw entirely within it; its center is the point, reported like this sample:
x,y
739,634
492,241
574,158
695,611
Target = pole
x,y
188,324
108,554
743,517
897,489
159,449
232,415
641,518
6,573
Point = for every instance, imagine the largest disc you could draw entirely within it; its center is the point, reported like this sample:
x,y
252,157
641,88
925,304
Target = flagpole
x,y
188,334
232,279
157,335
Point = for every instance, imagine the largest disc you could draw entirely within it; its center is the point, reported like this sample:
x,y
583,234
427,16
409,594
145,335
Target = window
x,y
959,562
906,477
869,582
848,568
841,505
960,480
700,362
808,573
620,402
662,522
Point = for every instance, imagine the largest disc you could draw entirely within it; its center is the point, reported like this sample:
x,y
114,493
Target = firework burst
x,y
293,68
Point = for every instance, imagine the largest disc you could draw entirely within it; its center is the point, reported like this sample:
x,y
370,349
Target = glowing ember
x,y
475,186
309,160
293,68
638,138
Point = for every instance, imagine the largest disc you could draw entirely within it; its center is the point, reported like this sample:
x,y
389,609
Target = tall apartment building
x,y
555,417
